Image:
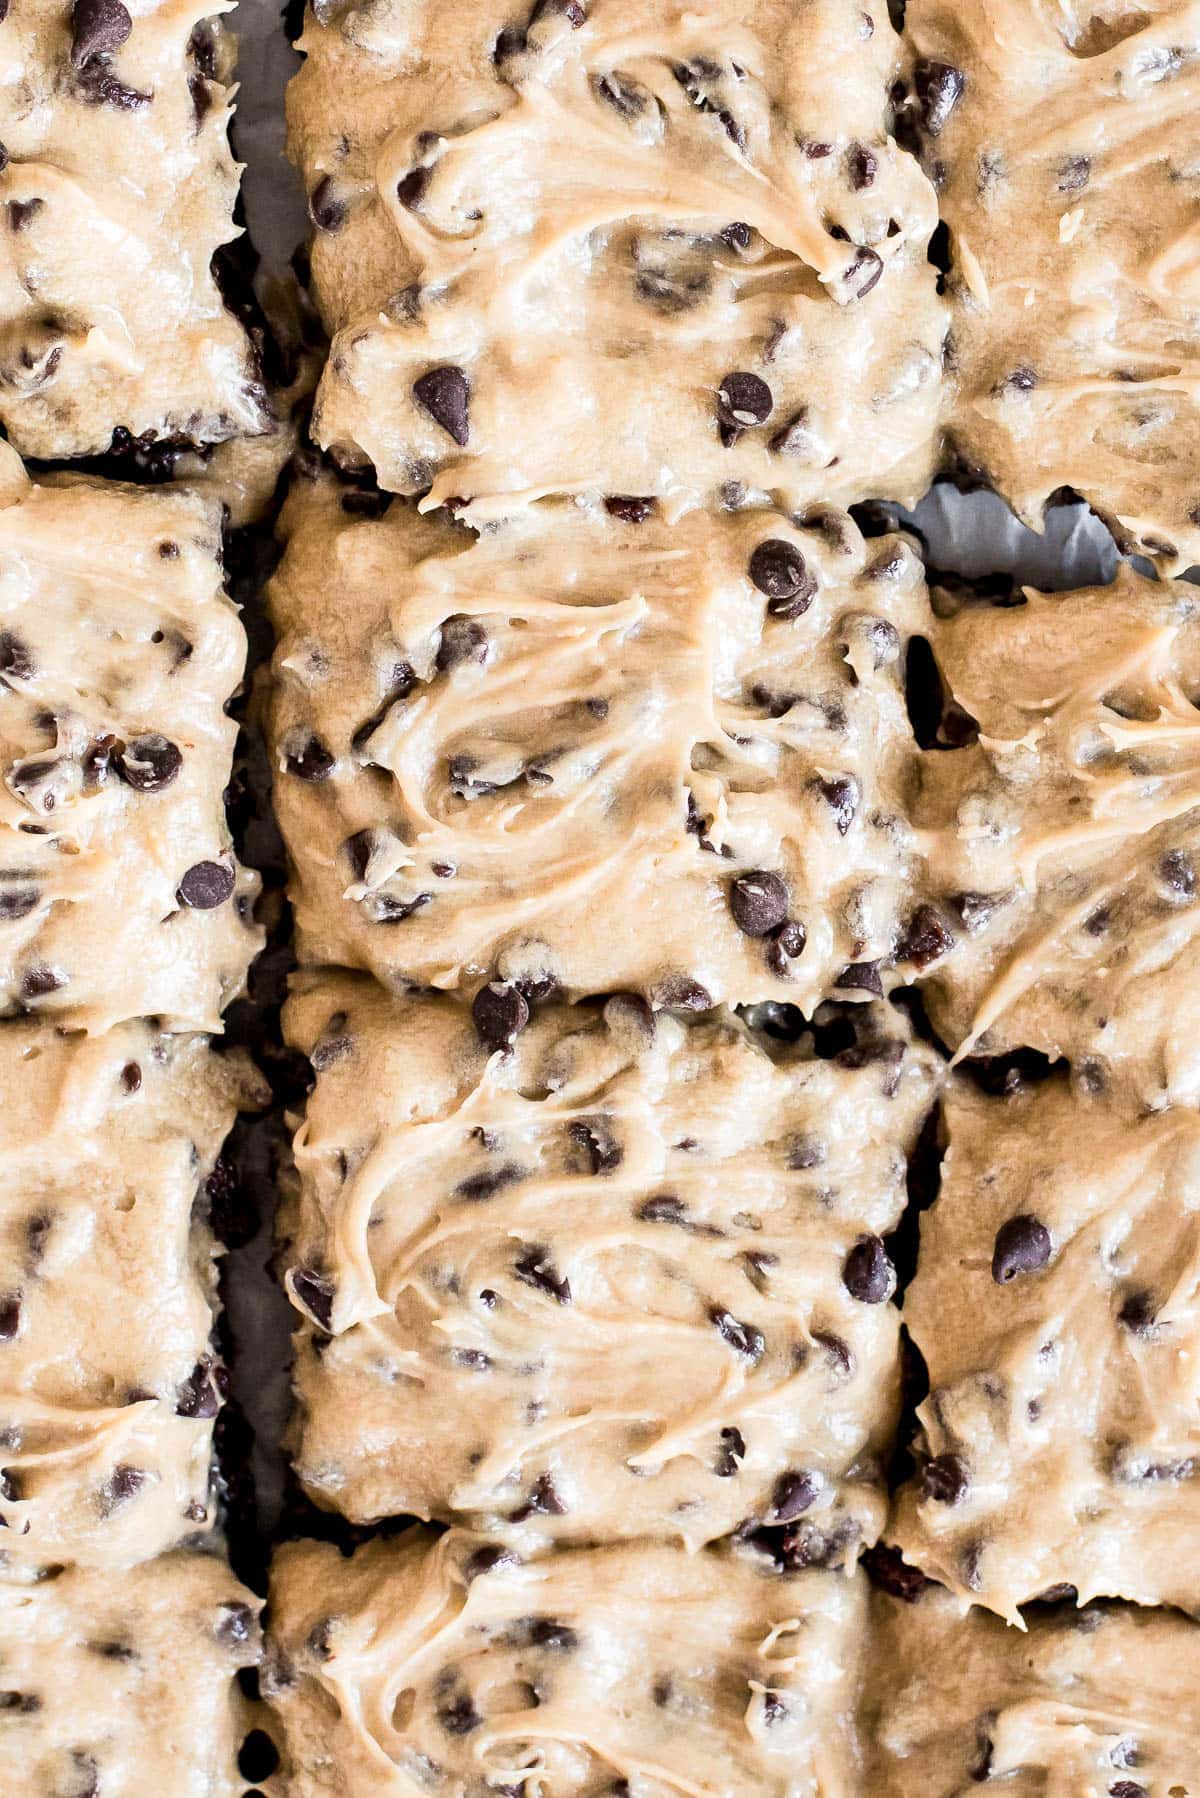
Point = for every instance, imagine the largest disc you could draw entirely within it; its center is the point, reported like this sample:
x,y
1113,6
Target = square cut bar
x,y
129,1684
633,1667
1063,143
1101,1700
619,247
116,188
1062,838
625,1279
119,893
109,1380
596,751
1055,1306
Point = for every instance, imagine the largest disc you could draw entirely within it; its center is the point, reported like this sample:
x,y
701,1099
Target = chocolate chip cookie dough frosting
x,y
116,187
444,1665
1097,1702
593,749
1055,1306
127,1687
108,1377
119,893
615,248
1062,139
1063,843
623,1277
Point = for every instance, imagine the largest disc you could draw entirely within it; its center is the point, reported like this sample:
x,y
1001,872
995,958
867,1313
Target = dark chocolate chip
x,y
131,1077
679,992
41,980
861,977
1074,174
198,1395
206,885
550,1634
945,1479
536,1269
1138,1313
235,1623
543,1501
731,1453
741,1336
313,762
867,1272
96,85
759,902
21,212
863,165
149,763
25,1704
459,1717
488,1559
16,660
1177,871
744,400
794,1493
476,1189
315,1294
10,1315
122,1484
863,273
445,393
97,27
841,794
939,89
326,211
500,1012
926,938
461,640
1022,1247
595,1138
629,507
886,1568
779,570
412,188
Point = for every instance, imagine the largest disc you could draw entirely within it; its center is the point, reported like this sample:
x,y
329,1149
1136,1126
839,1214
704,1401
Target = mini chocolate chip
x,y
867,1272
759,902
488,1559
945,1479
1177,871
459,1717
122,1484
412,188
841,794
863,274
805,1150
10,1315
149,763
206,885
315,1294
445,393
97,26
1138,1314
779,570
736,235
476,1189
1022,1247
20,212
939,88
794,1493
131,1077
549,1633
500,1012
861,977
629,507
1127,1788
926,938
886,1568
313,762
461,640
543,1501
731,1453
198,1395
863,165
743,1337
326,211
535,1269
40,980
744,400
787,945
594,1136
16,659
679,992
24,1703
1074,174
96,85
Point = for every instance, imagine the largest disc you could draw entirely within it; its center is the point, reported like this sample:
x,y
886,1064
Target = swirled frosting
x,y
116,187
596,1286
1063,844
1055,1306
108,1377
119,893
1062,139
589,221
442,1665
1079,1705
127,1686
561,750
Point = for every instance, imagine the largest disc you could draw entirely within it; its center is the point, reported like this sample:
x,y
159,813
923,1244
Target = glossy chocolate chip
x,y
744,400
198,1395
629,508
841,794
535,1268
926,938
1022,1247
679,992
122,1485
499,1012
543,1501
206,886
445,393
862,274
939,89
886,1568
741,1336
867,1272
97,27
315,1294
945,1479
149,763
312,761
40,980
794,1493
779,570
759,902
595,1137
10,1315
326,211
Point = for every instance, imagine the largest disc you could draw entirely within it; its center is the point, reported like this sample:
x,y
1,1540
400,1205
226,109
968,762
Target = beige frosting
x,y
602,225
490,749
1079,1706
1064,845
107,1291
110,211
593,1287
437,1666
127,1687
1069,173
1062,1409
114,635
